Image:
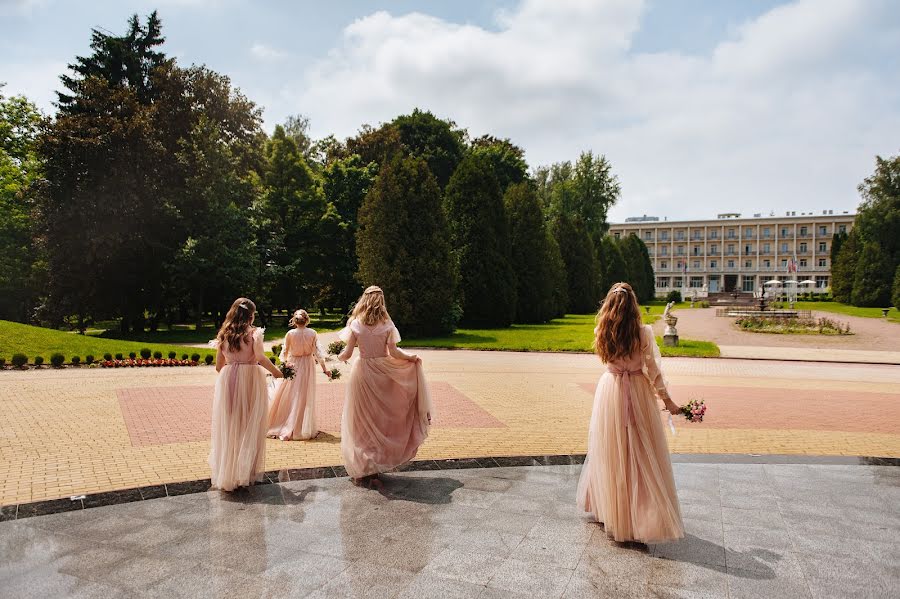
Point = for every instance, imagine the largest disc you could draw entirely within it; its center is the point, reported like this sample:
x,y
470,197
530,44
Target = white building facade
x,y
731,253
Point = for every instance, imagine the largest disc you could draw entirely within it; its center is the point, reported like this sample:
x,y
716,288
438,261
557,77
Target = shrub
x,y
276,349
673,296
209,359
146,353
172,355
704,304
107,356
89,359
38,360
157,355
132,355
120,356
19,360
184,356
2,362
75,360
195,357
57,360
336,347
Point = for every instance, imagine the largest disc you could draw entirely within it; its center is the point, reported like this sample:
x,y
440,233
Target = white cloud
x,y
265,52
788,111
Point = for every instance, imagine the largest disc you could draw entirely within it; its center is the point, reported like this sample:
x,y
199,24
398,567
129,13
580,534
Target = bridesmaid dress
x,y
240,406
626,481
292,415
387,407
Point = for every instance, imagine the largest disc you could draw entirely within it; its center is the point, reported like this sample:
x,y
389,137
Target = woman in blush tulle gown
x,y
292,415
241,401
626,481
387,412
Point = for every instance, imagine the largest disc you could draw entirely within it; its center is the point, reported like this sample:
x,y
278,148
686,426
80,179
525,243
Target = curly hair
x,y
370,308
236,326
618,330
300,318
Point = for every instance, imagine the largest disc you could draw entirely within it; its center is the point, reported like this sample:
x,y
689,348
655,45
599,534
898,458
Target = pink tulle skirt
x,y
292,413
385,416
239,417
626,481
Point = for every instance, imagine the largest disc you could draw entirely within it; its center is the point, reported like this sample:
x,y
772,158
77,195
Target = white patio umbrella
x,y
772,282
808,282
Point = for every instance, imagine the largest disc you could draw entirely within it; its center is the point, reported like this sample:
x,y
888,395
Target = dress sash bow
x,y
625,385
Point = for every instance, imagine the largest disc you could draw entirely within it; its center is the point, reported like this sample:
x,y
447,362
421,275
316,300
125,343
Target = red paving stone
x,y
182,414
776,408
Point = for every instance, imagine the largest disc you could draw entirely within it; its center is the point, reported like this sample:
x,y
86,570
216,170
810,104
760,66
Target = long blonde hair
x,y
618,332
300,318
236,326
370,308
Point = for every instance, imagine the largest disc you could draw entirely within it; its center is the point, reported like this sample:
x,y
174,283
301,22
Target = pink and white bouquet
x,y
694,410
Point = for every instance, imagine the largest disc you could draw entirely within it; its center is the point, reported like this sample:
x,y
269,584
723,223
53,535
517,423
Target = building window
x,y
748,263
713,234
842,228
731,264
730,233
767,263
696,264
616,235
784,248
748,283
664,265
767,248
748,249
766,232
784,264
662,282
803,247
784,232
803,231
748,232
821,282
713,249
713,263
696,250
731,248
696,282
676,282
823,230
664,250
823,247
803,262
823,262
679,235
664,235
681,250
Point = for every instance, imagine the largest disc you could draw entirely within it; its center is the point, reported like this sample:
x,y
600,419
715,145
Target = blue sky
x,y
702,106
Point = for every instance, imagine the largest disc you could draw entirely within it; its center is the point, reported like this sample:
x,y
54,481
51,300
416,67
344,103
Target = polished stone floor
x,y
753,530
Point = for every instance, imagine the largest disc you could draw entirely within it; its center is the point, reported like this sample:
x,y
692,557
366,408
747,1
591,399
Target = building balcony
x,y
731,253
804,235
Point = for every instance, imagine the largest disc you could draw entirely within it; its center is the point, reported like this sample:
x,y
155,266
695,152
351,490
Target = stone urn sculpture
x,y
670,335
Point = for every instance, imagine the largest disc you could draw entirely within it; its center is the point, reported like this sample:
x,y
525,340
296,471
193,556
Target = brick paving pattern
x,y
82,431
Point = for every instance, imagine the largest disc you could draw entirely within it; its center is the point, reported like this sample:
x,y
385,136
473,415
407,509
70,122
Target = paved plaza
x,y
752,530
88,431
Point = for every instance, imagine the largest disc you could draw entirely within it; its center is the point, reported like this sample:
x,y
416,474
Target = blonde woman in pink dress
x,y
240,404
387,412
626,481
292,414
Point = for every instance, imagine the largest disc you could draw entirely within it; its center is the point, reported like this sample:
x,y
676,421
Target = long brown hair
x,y
236,325
370,308
618,332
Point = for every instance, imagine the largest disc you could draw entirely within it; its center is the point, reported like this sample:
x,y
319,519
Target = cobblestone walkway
x,y
84,431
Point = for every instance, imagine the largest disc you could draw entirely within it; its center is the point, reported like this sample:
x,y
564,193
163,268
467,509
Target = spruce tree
x,y
895,292
532,256
615,269
403,245
843,269
577,251
873,277
480,239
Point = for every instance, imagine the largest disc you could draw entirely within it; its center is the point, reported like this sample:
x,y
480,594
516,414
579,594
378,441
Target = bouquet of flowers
x,y
335,374
287,371
694,410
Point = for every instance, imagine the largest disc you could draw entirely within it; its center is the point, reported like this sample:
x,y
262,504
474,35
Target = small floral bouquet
x,y
694,410
335,374
287,371
336,347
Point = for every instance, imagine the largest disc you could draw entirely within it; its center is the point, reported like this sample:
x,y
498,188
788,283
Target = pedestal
x,y
670,340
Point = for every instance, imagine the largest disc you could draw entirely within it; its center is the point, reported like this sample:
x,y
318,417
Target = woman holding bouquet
x,y
387,412
240,405
292,415
626,481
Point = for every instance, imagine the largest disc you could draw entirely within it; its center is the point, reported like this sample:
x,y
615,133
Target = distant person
x,y
240,405
387,412
292,415
626,481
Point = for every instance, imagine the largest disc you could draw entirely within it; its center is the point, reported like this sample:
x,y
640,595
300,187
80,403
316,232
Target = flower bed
x,y
145,363
792,326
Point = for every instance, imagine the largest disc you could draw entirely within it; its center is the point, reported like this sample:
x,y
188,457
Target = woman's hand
x,y
326,372
415,358
672,407
278,374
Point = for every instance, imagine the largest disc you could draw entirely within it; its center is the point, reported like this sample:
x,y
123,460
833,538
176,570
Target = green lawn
x,y
573,332
38,341
191,334
839,308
